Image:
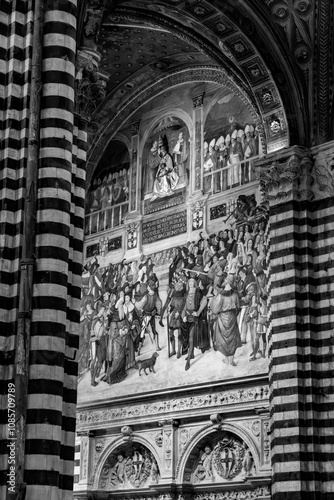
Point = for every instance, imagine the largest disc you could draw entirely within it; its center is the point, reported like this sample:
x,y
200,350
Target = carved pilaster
x,y
265,443
198,135
86,452
169,449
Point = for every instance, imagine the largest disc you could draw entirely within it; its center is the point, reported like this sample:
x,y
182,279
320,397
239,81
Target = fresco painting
x,y
191,314
166,159
231,139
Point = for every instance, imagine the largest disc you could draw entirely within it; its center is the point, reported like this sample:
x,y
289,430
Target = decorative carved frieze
x,y
90,418
261,492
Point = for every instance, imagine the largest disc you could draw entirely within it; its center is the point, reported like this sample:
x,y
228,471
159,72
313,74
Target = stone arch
x,y
208,432
113,445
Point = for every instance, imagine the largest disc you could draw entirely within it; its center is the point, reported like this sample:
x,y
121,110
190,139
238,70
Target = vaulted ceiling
x,y
269,50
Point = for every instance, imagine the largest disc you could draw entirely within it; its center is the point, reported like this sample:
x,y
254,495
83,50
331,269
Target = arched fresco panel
x,y
107,200
231,141
166,164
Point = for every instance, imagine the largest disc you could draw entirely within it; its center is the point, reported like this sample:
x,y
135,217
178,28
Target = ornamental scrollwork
x,y
87,418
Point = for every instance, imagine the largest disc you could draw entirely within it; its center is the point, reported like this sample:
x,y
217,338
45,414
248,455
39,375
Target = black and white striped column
x,y
293,369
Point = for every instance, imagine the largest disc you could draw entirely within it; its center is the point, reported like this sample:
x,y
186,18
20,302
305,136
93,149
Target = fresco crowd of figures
x,y
234,150
216,299
108,191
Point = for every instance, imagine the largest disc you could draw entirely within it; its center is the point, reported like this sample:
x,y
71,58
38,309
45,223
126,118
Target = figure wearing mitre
x,y
166,178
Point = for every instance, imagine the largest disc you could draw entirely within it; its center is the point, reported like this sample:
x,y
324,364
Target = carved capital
x,y
135,128
90,83
198,100
286,174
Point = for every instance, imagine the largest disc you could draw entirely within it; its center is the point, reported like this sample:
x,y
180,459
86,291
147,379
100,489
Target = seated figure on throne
x,y
166,178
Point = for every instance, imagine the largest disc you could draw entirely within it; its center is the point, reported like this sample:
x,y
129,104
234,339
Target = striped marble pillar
x,y
50,431
286,179
16,33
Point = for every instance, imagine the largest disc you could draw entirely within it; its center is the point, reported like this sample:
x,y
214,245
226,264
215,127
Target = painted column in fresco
x,y
198,141
134,175
132,222
294,342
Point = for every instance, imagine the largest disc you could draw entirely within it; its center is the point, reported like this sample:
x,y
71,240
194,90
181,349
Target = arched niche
x,y
224,455
127,465
107,199
165,176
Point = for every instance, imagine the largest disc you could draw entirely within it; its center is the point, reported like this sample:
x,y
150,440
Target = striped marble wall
x,y
301,335
51,403
15,73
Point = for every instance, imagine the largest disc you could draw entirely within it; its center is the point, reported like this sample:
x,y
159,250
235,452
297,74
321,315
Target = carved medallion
x,y
228,457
